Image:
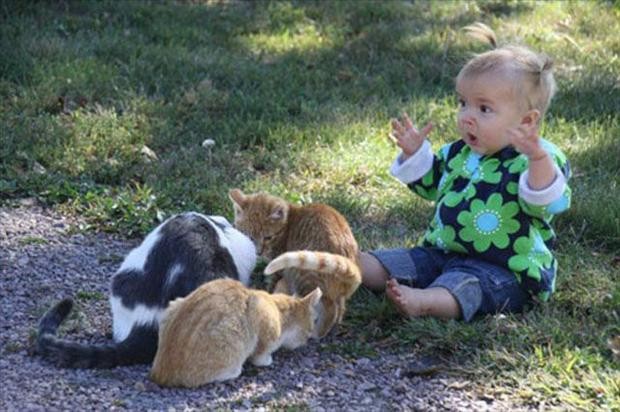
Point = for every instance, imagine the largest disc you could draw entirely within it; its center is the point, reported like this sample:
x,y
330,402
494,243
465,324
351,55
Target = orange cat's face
x,y
261,217
306,321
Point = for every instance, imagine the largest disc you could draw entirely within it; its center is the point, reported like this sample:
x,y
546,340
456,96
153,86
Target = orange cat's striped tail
x,y
321,262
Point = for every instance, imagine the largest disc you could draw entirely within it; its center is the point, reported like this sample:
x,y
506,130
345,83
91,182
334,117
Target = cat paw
x,y
263,360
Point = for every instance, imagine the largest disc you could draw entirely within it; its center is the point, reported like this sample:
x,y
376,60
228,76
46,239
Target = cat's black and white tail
x,y
139,347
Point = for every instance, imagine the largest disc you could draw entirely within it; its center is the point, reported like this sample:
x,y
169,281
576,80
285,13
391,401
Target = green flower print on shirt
x,y
517,164
544,295
545,231
489,223
426,194
531,255
444,237
426,189
512,188
476,171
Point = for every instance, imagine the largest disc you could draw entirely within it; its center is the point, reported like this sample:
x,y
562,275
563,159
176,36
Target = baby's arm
x,y
543,188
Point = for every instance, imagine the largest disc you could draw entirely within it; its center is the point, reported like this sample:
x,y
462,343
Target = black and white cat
x,y
175,258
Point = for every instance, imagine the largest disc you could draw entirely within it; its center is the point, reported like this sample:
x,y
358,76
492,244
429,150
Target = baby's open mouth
x,y
472,138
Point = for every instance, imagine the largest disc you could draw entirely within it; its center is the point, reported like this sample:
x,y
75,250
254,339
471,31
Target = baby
x,y
488,247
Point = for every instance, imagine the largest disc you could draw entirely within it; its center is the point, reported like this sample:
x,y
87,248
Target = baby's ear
x,y
237,197
531,118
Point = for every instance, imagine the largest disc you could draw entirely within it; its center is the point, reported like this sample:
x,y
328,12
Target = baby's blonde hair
x,y
535,85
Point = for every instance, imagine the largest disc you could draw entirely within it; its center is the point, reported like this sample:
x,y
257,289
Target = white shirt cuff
x,y
545,196
415,167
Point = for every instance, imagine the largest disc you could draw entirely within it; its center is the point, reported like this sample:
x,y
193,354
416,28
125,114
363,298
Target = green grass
x,y
32,240
298,97
88,295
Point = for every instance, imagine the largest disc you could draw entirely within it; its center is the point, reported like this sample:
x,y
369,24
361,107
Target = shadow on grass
x,y
189,72
591,97
158,51
594,215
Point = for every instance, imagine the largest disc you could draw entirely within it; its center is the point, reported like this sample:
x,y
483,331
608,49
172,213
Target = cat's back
x,y
209,307
320,227
180,254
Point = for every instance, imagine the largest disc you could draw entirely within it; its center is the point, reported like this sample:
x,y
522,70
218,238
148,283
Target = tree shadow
x,y
195,71
589,97
594,216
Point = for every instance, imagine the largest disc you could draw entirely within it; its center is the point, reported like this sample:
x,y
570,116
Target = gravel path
x,y
41,262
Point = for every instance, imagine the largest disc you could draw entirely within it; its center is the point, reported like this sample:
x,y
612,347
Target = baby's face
x,y
488,107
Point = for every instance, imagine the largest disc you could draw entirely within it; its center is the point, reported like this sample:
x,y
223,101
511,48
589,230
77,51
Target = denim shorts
x,y
478,286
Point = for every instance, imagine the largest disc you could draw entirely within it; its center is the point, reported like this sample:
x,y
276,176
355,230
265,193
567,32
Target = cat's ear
x,y
280,212
237,197
313,298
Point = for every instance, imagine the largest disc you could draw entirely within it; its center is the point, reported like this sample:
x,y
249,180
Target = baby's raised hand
x,y
526,140
407,137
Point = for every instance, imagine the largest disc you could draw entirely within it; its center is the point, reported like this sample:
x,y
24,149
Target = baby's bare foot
x,y
404,298
412,302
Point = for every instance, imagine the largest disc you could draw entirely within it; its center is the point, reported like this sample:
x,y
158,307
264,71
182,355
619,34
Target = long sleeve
x,y
552,200
422,171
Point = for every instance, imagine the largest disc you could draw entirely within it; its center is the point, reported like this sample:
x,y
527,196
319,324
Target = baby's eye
x,y
485,109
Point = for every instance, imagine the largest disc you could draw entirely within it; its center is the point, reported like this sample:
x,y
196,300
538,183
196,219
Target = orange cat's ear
x,y
237,197
279,212
314,297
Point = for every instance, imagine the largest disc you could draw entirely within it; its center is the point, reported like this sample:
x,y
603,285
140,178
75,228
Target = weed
x,y
86,295
12,347
32,240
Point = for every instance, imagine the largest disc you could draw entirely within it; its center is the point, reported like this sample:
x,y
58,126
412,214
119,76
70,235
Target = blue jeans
x,y
479,287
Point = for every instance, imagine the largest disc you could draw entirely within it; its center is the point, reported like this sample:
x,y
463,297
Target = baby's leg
x,y
412,302
374,274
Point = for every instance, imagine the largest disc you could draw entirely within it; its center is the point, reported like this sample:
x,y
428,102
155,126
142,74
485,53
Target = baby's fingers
x,y
408,123
397,126
392,139
426,130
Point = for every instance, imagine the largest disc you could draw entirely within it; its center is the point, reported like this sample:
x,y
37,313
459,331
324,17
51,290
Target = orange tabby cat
x,y
339,267
277,226
208,335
